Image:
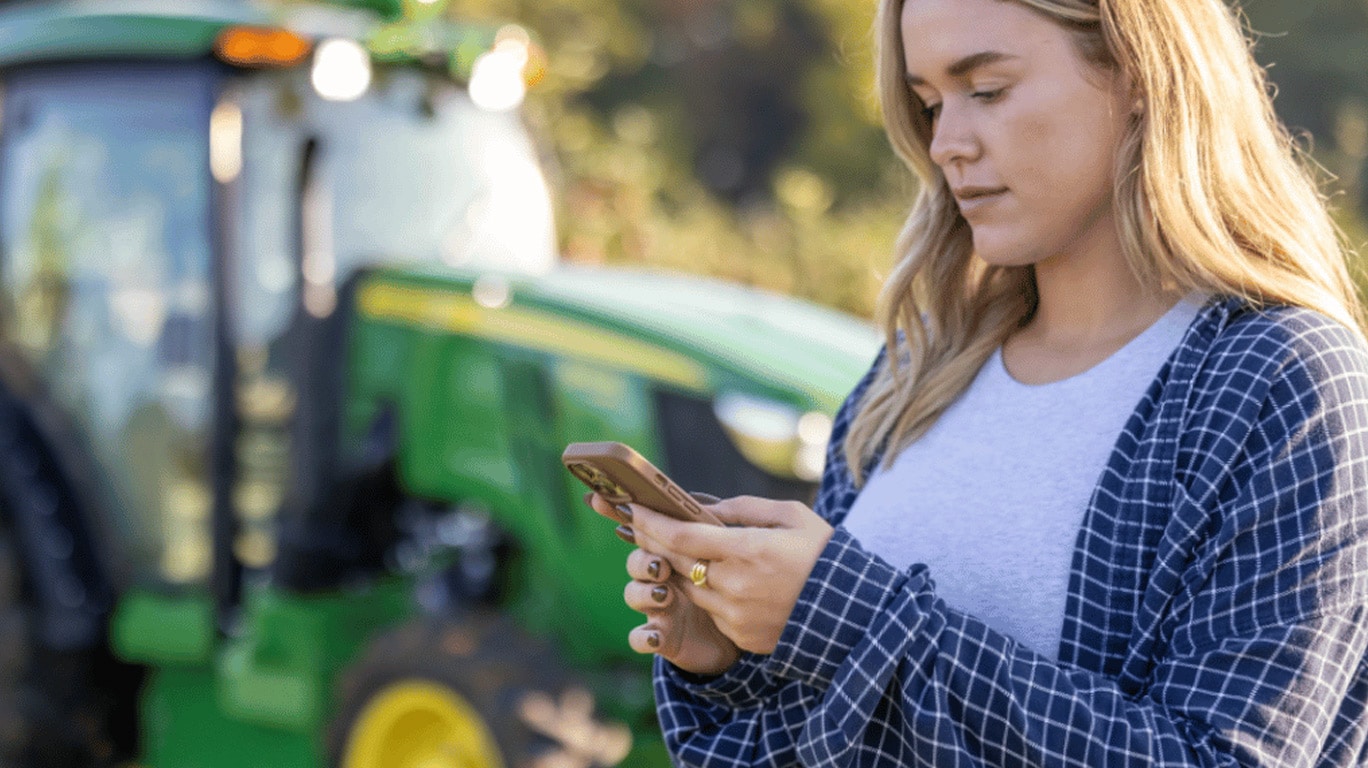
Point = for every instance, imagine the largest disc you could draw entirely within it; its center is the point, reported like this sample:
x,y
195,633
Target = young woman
x,y
1103,500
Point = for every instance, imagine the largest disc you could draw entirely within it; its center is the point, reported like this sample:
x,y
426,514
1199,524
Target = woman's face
x,y
1023,128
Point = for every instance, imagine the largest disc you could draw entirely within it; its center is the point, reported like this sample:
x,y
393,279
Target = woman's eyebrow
x,y
964,66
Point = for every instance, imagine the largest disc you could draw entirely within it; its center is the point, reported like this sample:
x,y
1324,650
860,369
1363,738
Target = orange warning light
x,y
261,47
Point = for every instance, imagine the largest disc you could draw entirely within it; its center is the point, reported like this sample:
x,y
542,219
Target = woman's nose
x,y
952,138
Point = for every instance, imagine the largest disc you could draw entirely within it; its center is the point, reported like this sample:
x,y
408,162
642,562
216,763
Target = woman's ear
x,y
1131,94
1133,100
1125,95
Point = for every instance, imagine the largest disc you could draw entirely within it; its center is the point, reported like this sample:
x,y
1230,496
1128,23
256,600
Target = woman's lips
x,y
978,200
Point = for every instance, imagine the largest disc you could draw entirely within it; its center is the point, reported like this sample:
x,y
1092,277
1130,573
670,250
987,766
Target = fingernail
x,y
660,593
588,497
625,510
653,640
654,569
626,534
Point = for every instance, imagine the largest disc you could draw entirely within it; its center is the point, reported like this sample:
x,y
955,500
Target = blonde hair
x,y
1210,195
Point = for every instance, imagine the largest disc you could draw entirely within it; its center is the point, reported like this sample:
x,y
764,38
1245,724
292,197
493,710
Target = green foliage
x,y
641,94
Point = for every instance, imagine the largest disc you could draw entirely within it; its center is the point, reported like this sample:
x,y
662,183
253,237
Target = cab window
x,y
105,270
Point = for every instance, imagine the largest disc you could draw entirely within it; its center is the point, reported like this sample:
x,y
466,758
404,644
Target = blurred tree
x,y
741,137
1315,51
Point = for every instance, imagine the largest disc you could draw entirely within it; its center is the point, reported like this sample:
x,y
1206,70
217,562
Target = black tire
x,y
14,654
515,685
59,708
47,717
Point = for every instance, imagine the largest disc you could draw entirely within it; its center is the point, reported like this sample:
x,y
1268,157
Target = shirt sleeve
x,y
1261,656
745,683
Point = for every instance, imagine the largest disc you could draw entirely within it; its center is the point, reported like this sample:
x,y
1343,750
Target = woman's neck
x,y
1086,312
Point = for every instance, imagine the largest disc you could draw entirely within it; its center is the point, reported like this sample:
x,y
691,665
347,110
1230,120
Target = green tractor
x,y
286,366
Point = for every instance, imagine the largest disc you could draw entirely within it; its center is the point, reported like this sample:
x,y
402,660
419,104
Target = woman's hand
x,y
756,567
677,630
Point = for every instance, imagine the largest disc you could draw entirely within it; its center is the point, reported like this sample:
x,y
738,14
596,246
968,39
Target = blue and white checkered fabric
x,y
1216,608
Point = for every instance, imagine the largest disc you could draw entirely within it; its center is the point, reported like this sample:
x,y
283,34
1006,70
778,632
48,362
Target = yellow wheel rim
x,y
418,724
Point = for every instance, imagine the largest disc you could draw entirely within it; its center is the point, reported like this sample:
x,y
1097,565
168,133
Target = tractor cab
x,y
166,219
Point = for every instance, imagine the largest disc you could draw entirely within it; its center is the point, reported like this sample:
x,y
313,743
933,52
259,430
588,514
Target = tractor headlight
x,y
776,437
341,70
497,80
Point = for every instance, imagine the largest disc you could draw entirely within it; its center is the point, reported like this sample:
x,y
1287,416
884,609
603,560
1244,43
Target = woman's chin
x,y
1002,254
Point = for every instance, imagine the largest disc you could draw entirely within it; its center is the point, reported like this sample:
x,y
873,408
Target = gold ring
x,y
699,574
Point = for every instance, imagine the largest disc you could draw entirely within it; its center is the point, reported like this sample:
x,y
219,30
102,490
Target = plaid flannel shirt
x,y
1216,605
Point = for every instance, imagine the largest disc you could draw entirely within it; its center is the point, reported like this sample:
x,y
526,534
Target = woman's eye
x,y
988,97
930,112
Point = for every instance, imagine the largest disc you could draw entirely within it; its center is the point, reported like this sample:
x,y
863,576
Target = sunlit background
x,y
740,138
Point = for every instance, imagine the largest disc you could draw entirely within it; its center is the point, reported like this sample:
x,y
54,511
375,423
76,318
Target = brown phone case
x,y
620,474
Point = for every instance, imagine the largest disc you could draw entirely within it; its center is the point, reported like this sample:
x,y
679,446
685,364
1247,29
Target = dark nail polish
x,y
653,640
626,534
660,593
654,569
625,511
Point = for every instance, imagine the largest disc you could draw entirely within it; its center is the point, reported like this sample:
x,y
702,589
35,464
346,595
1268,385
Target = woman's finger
x,y
712,595
650,638
756,512
610,511
680,540
647,566
647,597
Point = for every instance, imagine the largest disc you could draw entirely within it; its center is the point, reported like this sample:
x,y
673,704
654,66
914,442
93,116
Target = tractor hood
x,y
782,339
789,343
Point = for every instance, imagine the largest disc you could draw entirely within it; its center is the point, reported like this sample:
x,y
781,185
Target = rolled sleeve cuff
x,y
846,590
742,684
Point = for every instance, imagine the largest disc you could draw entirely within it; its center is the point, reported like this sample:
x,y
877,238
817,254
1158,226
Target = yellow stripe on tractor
x,y
526,327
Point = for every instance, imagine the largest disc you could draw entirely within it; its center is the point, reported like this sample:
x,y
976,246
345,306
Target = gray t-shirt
x,y
992,496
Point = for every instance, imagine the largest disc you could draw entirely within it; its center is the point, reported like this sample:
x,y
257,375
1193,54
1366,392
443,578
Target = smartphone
x,y
620,474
